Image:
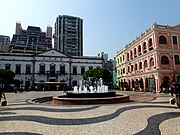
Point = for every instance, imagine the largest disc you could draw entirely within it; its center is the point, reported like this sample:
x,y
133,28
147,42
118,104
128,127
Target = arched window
x,y
135,67
150,44
7,66
139,49
131,53
121,59
18,69
144,47
145,64
140,65
164,60
83,69
52,68
42,68
128,69
117,60
162,40
74,70
151,62
135,53
132,68
28,69
127,56
176,59
62,69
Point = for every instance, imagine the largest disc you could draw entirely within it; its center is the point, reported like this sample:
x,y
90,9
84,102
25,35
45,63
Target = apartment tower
x,y
68,35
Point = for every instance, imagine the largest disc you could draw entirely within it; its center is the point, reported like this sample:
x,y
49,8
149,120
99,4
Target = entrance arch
x,y
146,83
166,81
141,83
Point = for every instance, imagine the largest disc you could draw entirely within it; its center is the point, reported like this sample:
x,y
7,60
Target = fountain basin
x,y
65,100
82,94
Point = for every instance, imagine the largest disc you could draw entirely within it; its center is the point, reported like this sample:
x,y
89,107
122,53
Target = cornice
x,y
141,37
150,72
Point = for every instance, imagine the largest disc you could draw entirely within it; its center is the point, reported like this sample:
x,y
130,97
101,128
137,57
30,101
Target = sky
x,y
108,25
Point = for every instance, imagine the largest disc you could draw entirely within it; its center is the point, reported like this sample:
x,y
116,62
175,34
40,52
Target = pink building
x,y
153,59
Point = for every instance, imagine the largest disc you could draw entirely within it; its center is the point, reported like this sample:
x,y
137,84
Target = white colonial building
x,y
48,66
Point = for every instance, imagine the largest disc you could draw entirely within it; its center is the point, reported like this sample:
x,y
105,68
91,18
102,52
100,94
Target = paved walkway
x,y
149,114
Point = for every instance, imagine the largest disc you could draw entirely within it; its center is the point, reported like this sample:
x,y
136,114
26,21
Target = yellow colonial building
x,y
121,69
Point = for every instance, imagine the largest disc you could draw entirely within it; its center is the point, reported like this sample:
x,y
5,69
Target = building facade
x,y
48,66
4,43
152,58
32,38
121,68
68,35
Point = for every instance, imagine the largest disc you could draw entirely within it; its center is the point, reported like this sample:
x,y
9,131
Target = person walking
x,y
174,88
161,88
2,95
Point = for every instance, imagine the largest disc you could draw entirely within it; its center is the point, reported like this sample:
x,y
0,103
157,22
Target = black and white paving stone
x,y
152,117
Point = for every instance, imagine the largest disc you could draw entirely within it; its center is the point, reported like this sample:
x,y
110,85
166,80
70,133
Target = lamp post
x,y
70,71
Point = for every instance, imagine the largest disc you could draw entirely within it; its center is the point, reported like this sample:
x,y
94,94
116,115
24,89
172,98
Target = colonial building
x,y
48,66
121,68
151,59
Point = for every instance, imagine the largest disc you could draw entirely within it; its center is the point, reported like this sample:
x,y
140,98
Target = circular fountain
x,y
90,92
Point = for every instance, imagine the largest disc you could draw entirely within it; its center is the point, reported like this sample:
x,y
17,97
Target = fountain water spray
x,y
90,86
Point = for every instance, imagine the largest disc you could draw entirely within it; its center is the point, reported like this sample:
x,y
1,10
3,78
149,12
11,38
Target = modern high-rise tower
x,y
4,43
32,38
68,35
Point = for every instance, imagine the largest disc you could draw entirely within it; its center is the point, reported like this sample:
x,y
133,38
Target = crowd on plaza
x,y
173,88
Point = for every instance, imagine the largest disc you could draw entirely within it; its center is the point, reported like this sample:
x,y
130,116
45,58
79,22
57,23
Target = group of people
x,y
173,88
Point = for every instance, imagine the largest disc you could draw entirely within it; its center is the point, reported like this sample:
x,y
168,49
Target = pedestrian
x,y
174,88
15,89
161,88
2,95
65,88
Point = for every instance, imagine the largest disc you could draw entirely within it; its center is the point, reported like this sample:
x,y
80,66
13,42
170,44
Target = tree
x,y
98,73
6,77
